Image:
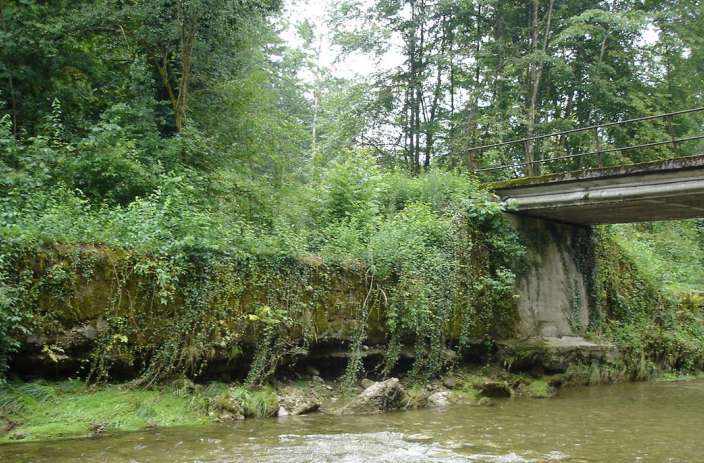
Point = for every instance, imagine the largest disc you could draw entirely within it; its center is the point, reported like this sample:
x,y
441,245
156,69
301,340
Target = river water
x,y
646,422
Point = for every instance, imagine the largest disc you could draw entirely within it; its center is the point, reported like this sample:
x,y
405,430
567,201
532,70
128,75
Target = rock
x,y
365,383
228,407
494,388
298,402
17,436
282,412
417,398
379,397
449,357
305,407
486,402
312,371
449,382
224,417
439,399
183,385
554,354
418,438
97,428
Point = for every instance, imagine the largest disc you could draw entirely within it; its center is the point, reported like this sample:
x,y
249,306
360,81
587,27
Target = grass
x,y
675,376
261,403
540,389
72,409
42,410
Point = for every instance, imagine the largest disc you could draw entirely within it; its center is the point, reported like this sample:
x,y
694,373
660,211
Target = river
x,y
644,422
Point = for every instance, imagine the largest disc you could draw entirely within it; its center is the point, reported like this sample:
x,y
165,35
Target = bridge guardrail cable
x,y
610,150
595,129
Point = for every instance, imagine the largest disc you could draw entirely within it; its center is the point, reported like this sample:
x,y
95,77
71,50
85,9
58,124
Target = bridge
x,y
660,190
554,212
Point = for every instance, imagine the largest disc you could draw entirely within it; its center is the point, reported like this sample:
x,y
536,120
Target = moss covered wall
x,y
97,310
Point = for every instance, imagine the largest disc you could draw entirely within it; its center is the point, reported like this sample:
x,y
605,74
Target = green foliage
x,y
261,403
169,155
655,328
475,73
205,282
540,389
671,254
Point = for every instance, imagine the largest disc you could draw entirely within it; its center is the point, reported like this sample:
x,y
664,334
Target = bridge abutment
x,y
555,290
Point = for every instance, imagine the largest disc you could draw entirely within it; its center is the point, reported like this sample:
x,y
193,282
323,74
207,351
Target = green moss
x,y
523,354
524,181
50,410
71,409
580,374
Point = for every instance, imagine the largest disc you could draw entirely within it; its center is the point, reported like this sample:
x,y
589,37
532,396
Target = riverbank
x,y
652,421
49,410
309,332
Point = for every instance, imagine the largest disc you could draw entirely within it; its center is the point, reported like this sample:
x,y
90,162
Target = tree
x,y
186,41
477,72
411,99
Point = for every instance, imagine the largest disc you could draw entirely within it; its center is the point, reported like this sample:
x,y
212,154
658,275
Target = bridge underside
x,y
663,190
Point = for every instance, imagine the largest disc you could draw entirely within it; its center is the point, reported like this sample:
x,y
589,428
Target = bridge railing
x,y
559,159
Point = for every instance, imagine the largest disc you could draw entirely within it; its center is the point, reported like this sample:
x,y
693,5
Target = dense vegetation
x,y
176,144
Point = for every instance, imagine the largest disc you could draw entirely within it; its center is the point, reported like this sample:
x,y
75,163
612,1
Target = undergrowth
x,y
177,282
656,328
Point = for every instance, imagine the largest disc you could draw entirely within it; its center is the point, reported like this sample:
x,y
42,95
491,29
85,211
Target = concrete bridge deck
x,y
661,190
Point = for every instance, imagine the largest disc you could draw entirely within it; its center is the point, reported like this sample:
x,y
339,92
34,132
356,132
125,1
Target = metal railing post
x,y
600,152
671,131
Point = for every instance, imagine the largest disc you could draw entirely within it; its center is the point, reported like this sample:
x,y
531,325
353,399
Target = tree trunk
x,y
182,100
535,74
11,86
412,90
472,161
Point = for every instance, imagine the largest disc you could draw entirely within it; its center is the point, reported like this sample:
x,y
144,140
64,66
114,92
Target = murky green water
x,y
655,422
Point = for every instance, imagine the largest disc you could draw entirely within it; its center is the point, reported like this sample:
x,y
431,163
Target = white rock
x,y
439,399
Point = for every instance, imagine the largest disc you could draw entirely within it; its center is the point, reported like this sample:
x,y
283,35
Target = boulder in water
x,y
377,398
439,399
494,388
228,408
305,407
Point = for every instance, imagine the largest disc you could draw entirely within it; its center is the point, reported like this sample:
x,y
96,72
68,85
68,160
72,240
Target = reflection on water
x,y
660,422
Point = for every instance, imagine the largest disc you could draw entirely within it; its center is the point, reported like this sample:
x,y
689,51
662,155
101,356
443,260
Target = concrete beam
x,y
663,190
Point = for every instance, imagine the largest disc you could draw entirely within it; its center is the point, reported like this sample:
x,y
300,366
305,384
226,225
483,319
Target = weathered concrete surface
x,y
554,292
672,189
556,354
